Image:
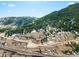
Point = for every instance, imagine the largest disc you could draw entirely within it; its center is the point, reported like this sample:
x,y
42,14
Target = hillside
x,y
66,19
12,23
18,21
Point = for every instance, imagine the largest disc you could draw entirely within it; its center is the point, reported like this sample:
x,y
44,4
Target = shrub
x,y
76,47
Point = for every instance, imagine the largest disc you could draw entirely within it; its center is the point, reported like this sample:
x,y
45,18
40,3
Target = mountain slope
x,y
66,19
13,24
18,21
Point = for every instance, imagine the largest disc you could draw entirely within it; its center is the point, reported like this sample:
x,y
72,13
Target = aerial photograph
x,y
39,28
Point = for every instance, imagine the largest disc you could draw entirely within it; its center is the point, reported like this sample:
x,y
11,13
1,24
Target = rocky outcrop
x,y
63,36
32,45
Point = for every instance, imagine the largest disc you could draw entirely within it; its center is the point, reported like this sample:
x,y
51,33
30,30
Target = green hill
x,y
66,19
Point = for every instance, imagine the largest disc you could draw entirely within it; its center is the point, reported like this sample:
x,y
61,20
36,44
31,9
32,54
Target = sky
x,y
31,8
